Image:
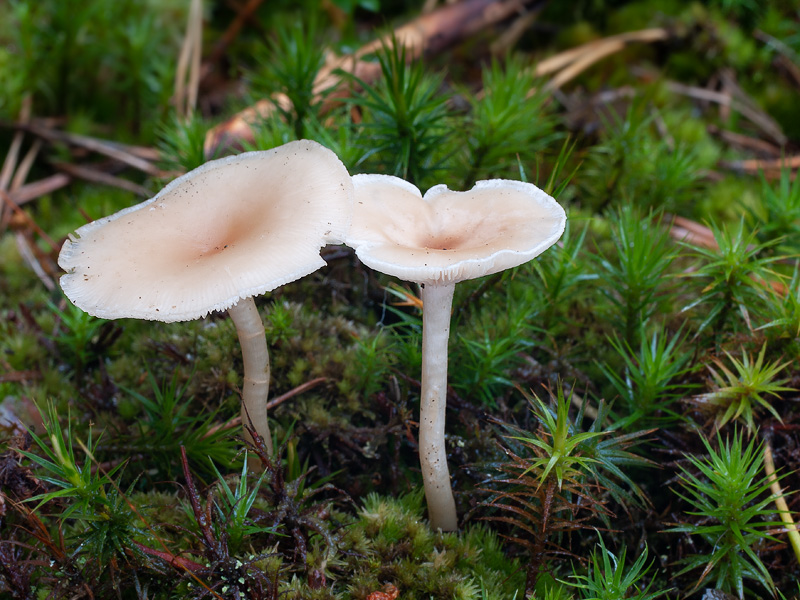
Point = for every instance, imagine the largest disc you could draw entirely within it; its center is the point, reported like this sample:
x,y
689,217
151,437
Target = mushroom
x,y
211,240
436,241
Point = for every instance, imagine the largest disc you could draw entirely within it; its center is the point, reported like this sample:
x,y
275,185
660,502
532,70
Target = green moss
x,y
396,546
643,14
780,102
726,199
577,34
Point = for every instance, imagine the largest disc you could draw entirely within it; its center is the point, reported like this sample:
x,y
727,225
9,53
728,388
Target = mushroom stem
x,y
255,356
437,301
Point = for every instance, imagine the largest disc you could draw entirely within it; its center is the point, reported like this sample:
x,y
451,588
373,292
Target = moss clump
x,y
391,543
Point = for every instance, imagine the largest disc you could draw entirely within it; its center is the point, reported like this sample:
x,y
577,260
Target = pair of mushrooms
x,y
244,225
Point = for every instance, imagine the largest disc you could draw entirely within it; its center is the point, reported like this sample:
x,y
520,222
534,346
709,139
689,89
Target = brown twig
x,y
746,109
746,142
686,230
134,156
21,174
570,63
584,62
19,376
303,387
39,188
180,563
509,38
186,86
237,421
755,165
791,69
23,226
97,176
25,165
28,254
10,161
203,517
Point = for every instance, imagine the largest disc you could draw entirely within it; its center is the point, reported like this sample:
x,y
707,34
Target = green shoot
x,y
612,459
508,123
634,163
634,272
404,117
562,454
544,489
610,161
784,310
345,139
609,579
290,65
181,143
741,391
483,362
647,385
234,508
169,423
777,215
64,471
728,494
81,337
562,271
105,523
734,277
372,362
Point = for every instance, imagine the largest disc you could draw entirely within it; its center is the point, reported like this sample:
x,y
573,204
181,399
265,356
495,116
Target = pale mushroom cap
x,y
449,236
230,229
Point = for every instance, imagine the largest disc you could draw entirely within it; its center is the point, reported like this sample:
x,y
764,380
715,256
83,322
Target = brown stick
x,y
129,155
584,62
24,167
28,253
747,106
792,70
18,376
39,188
745,141
684,229
755,165
180,563
237,421
97,176
428,34
10,162
747,109
187,73
575,60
